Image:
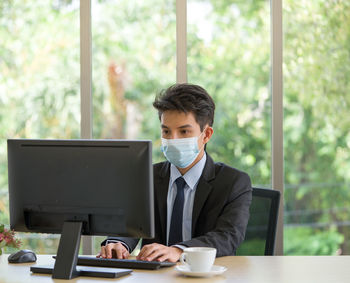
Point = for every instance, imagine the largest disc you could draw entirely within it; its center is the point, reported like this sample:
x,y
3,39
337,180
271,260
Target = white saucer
x,y
215,270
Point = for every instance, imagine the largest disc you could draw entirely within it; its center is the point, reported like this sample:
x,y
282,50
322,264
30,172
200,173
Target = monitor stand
x,y
67,256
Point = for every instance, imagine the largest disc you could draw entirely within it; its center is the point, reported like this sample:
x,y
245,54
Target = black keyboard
x,y
122,263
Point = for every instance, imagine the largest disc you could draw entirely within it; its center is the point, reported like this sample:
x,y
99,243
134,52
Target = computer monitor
x,y
74,187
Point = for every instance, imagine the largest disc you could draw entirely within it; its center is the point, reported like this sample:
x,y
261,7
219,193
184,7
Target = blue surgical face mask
x,y
180,152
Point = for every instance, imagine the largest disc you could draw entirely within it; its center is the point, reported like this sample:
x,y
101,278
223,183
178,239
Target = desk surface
x,y
242,269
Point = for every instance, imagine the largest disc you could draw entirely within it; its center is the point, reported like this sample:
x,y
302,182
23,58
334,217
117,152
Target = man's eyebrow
x,y
186,126
181,127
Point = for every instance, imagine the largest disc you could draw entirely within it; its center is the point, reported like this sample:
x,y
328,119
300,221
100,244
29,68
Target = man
x,y
197,202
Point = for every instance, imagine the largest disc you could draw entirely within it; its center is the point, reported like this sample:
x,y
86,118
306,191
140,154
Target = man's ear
x,y
208,132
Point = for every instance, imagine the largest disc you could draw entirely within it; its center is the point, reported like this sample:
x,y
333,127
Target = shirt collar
x,y
192,176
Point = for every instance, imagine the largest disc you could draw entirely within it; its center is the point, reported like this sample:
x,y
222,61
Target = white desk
x,y
242,269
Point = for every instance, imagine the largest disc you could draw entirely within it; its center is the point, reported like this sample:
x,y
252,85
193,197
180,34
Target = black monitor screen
x,y
105,184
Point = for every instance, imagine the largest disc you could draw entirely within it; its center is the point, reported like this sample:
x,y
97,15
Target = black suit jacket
x,y
220,209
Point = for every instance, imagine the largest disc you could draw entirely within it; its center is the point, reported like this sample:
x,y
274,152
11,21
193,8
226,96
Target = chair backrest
x,y
261,230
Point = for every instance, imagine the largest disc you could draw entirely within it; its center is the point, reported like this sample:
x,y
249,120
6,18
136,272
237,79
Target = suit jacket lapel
x,y
161,187
203,190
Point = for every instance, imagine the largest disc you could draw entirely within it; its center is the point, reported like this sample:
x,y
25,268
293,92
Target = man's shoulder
x,y
161,168
159,165
227,173
227,169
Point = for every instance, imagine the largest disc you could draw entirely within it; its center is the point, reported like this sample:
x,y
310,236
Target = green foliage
x,y
236,73
308,241
39,82
39,243
316,120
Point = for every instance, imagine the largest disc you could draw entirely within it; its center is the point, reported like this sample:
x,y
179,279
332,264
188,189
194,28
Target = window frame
x,y
181,77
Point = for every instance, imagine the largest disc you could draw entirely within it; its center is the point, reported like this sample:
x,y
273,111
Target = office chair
x,y
261,230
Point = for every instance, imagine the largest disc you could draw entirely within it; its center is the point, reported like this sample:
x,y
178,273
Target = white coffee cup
x,y
198,259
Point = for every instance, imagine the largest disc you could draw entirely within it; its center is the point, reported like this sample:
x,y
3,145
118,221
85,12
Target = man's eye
x,y
165,132
184,132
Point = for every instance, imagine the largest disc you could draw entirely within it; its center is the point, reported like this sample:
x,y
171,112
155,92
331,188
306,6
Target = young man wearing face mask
x,y
198,203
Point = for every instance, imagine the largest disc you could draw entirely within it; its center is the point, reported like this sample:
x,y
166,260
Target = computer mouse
x,y
22,256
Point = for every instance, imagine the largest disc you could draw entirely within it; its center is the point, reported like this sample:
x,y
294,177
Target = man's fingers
x,y
125,254
151,252
146,251
111,250
163,253
157,252
108,249
103,252
163,258
119,249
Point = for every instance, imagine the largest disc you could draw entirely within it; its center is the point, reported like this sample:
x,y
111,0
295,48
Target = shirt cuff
x,y
180,247
117,241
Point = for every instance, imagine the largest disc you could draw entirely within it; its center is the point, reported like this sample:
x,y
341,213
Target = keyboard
x,y
122,263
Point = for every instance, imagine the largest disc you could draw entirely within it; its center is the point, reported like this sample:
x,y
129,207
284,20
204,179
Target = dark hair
x,y
187,98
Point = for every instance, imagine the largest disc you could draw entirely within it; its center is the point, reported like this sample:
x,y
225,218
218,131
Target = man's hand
x,y
113,250
159,252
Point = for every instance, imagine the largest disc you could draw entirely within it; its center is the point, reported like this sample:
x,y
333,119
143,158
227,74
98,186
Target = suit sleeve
x,y
229,230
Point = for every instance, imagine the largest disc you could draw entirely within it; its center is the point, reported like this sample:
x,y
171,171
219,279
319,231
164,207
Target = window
x,y
133,58
316,127
39,84
229,55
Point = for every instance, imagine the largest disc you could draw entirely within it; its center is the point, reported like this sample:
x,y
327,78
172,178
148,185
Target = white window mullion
x,y
85,70
277,112
181,41
86,89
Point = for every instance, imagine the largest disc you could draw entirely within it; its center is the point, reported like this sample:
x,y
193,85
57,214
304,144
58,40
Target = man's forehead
x,y
178,119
